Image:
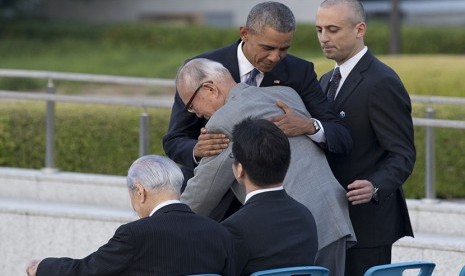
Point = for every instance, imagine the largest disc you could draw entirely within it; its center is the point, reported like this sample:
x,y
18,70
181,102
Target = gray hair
x,y
354,5
271,14
198,70
155,172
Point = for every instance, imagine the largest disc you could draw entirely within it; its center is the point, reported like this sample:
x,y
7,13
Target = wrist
x,y
316,126
375,194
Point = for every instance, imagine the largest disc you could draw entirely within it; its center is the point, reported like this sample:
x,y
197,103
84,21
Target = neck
x,y
251,187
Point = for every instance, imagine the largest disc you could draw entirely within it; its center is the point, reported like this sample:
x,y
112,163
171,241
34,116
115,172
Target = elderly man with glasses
x,y
207,89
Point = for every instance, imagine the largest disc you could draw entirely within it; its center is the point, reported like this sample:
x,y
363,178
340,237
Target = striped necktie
x,y
251,79
333,85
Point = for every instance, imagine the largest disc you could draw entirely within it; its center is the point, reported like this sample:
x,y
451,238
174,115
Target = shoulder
x,y
291,59
240,222
219,53
295,64
371,65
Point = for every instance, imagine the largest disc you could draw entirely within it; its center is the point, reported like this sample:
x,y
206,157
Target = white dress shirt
x,y
347,67
256,192
163,204
245,66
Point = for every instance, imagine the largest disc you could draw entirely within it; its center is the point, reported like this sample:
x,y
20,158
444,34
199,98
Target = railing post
x,y
144,134
430,169
50,131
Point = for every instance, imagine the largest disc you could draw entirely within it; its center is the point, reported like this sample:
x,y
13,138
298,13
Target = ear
x,y
361,29
243,31
212,89
239,172
141,193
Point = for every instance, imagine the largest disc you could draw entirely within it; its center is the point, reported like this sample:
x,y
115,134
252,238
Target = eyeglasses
x,y
189,105
231,155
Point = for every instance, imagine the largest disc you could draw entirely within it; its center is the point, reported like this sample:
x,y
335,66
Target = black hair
x,y
262,149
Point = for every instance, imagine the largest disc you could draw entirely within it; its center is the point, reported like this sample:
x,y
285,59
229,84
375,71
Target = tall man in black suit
x,y
169,239
264,42
272,229
372,100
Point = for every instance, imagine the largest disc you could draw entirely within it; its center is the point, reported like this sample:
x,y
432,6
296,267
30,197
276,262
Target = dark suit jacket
x,y
173,241
273,230
184,127
377,108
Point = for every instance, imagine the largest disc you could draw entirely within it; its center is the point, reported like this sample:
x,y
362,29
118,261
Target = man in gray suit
x,y
208,90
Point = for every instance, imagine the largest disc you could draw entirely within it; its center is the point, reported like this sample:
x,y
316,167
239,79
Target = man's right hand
x,y
210,144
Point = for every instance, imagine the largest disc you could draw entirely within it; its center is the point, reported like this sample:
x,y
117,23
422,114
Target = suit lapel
x,y
324,81
277,76
352,80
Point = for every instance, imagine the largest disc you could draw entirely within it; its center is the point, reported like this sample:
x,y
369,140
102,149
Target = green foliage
x,y
103,139
449,149
438,75
433,40
89,138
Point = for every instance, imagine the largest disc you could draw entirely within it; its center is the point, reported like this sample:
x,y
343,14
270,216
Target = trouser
x,y
333,257
359,260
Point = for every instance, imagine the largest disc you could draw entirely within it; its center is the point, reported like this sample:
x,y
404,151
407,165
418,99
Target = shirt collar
x,y
347,66
256,192
163,204
244,64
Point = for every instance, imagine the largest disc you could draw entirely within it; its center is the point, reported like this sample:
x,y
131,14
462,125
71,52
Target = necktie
x,y
251,79
333,85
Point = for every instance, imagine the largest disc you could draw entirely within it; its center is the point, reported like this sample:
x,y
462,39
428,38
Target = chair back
x,y
209,274
396,269
294,271
462,272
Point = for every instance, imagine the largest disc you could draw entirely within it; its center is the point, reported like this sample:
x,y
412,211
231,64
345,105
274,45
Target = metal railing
x,y
430,123
51,98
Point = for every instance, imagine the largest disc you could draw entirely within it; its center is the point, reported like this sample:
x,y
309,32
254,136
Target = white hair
x,y
155,172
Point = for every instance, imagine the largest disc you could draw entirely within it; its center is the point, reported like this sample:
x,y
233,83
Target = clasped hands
x,y
291,123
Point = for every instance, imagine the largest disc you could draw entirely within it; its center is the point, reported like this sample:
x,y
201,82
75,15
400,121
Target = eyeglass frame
x,y
231,155
189,105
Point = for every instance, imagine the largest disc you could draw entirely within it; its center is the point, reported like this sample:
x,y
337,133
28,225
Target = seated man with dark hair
x,y
169,239
272,229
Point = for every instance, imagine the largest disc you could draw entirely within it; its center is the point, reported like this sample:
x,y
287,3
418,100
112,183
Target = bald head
x,y
355,8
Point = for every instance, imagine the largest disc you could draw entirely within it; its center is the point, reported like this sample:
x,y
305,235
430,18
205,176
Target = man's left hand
x,y
291,123
360,191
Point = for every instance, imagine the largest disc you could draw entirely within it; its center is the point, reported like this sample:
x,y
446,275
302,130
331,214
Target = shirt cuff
x,y
318,137
195,159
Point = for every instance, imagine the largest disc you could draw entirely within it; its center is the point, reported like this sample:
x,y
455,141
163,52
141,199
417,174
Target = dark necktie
x,y
333,85
251,79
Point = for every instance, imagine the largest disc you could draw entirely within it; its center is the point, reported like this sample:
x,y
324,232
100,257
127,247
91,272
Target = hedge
x,y
104,140
414,39
89,138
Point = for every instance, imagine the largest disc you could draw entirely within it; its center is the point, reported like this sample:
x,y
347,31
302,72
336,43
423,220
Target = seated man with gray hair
x,y
169,239
207,89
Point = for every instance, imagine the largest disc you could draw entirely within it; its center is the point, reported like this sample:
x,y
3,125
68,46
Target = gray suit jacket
x,y
309,179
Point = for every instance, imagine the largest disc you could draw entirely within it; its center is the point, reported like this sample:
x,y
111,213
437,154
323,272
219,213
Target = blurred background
x,y
86,87
422,40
